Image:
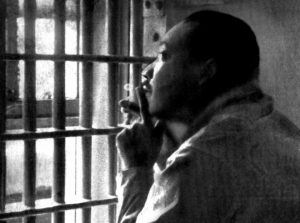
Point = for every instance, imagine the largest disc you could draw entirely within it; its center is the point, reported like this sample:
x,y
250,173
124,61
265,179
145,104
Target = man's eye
x,y
145,77
164,56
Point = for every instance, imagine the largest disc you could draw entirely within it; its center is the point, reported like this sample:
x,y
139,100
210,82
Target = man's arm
x,y
135,185
194,187
138,146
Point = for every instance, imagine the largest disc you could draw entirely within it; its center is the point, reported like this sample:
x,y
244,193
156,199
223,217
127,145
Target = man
x,y
209,146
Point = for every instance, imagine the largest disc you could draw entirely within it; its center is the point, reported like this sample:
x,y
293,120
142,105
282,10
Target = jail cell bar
x,y
29,104
29,108
113,45
136,40
86,103
21,211
2,105
58,109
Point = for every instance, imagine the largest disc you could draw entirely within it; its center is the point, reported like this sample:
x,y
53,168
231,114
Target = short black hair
x,y
229,41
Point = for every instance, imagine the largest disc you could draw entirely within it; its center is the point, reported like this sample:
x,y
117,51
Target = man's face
x,y
171,78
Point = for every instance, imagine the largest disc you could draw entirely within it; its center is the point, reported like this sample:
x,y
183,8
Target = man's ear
x,y
207,70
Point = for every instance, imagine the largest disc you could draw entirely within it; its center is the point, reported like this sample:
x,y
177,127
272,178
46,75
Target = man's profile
x,y
209,147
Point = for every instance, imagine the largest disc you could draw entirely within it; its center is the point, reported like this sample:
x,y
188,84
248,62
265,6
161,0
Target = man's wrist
x,y
135,165
139,175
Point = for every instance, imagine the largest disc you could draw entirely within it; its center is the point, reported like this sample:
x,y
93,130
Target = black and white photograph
x,y
149,111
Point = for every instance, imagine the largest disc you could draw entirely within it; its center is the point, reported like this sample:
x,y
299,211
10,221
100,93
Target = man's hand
x,y
139,144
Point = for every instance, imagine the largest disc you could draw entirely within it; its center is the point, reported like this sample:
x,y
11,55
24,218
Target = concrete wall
x,y
276,23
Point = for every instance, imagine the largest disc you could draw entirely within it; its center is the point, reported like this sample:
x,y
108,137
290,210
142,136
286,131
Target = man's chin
x,y
161,114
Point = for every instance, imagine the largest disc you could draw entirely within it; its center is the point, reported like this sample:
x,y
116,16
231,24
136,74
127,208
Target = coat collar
x,y
246,102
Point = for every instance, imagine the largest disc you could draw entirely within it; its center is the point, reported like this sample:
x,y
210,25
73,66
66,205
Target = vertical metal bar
x,y
113,46
124,49
12,68
136,39
29,105
59,111
78,40
78,15
2,105
58,108
58,105
85,99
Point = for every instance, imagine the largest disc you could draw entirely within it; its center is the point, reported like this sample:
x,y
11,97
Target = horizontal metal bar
x,y
45,122
43,108
78,58
57,133
16,210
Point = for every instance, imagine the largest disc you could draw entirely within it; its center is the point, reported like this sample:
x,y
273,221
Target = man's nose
x,y
148,71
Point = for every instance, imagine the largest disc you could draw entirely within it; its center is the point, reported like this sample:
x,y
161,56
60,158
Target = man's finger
x,y
144,107
130,106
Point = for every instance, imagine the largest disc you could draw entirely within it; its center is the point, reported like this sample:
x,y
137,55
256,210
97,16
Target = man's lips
x,y
146,87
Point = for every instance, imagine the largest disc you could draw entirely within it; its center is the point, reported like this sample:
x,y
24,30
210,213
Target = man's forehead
x,y
177,36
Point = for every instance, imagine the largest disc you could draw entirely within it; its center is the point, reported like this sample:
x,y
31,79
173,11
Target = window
x,y
49,58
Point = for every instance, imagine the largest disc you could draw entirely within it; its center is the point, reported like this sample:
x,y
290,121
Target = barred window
x,y
58,122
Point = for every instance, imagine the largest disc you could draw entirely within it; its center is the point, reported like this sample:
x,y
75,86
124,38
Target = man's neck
x,y
177,130
187,122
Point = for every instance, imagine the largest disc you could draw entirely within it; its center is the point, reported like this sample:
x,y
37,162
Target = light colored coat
x,y
239,163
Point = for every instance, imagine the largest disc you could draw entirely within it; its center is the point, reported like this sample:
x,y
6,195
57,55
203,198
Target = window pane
x,y
44,149
100,213
20,35
14,171
71,165
44,36
44,80
71,28
44,218
45,69
72,70
44,154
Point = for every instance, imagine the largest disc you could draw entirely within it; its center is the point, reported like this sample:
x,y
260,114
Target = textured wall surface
x,y
276,24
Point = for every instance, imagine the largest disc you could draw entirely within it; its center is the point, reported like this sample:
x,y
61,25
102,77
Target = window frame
x,y
43,105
